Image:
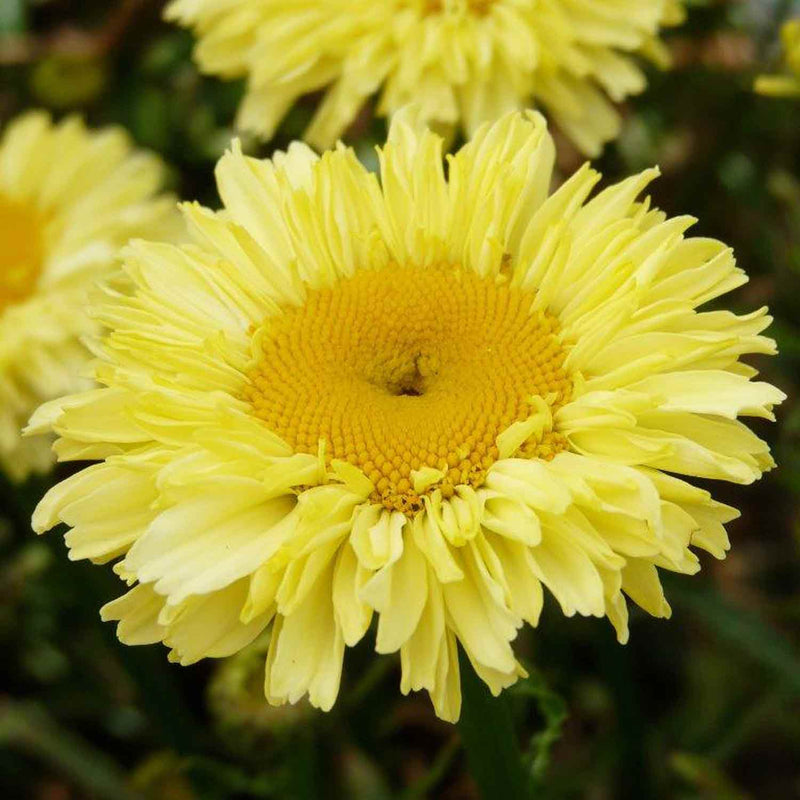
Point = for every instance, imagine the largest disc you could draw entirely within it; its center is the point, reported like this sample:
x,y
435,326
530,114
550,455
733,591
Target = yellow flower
x,y
69,199
422,398
788,84
465,61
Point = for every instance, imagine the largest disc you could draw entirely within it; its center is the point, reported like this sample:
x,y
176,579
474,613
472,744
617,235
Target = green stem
x,y
304,769
741,730
490,743
428,782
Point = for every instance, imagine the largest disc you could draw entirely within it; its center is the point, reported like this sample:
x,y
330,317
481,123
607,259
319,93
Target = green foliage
x,y
553,711
487,730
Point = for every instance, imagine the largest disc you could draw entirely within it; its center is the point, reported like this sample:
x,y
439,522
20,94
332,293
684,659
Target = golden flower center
x,y
408,368
21,251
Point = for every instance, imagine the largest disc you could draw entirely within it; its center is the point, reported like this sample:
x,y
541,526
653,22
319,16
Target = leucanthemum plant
x,y
420,399
465,61
69,199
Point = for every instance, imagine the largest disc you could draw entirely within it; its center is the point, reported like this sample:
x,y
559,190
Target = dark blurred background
x,y
706,705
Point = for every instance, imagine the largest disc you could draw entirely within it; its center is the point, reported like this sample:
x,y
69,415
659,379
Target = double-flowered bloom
x,y
465,62
69,199
420,399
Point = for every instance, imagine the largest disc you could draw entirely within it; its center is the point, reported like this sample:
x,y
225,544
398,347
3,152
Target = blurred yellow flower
x,y
68,200
788,84
423,397
465,61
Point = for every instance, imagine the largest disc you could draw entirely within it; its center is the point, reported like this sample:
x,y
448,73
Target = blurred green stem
x,y
490,742
428,782
304,771
27,727
634,778
736,735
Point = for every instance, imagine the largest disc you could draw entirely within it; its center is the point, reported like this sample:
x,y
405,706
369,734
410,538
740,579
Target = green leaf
x,y
490,742
553,709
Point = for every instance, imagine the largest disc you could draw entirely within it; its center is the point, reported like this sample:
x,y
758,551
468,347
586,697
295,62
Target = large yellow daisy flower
x,y
69,199
786,84
424,397
465,61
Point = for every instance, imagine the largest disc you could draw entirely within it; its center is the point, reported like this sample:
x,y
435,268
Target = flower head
x,y
69,199
465,61
787,84
422,398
